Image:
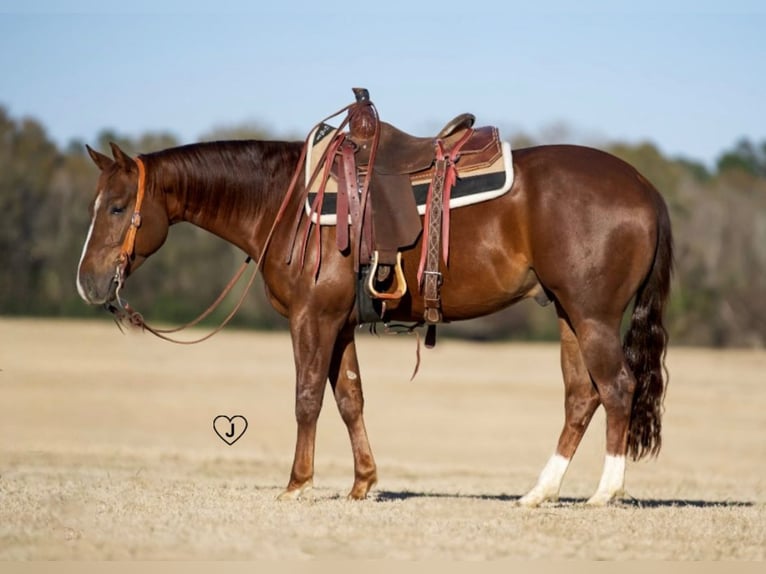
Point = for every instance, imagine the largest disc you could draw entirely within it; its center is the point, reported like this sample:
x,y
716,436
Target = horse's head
x,y
122,234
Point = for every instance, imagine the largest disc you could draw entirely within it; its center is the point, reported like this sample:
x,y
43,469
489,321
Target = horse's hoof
x,y
600,500
361,490
304,492
528,502
534,499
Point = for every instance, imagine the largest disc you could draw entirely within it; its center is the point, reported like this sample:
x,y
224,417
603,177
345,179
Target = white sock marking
x,y
549,483
612,480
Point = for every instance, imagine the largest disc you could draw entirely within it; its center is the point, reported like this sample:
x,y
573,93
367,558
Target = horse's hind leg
x,y
602,351
347,387
581,401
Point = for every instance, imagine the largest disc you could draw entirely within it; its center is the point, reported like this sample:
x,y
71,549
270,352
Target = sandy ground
x,y
107,451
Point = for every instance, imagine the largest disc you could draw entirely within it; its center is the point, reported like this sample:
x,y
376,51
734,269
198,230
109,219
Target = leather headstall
x,y
129,243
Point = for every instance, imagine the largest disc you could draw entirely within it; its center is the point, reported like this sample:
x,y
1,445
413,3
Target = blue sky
x,y
688,76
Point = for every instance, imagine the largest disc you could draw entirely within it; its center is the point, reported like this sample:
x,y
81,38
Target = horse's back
x,y
579,176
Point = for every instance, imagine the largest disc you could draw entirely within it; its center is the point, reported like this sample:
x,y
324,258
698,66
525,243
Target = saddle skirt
x,y
476,182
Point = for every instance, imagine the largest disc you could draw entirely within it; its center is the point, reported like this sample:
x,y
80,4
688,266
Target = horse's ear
x,y
102,161
123,160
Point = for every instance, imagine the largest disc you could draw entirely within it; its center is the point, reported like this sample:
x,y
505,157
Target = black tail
x,y
645,345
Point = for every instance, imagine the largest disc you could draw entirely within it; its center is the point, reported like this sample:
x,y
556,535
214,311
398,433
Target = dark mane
x,y
224,177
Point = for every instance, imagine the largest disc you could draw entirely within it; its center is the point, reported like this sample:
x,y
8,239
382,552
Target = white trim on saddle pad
x,y
332,187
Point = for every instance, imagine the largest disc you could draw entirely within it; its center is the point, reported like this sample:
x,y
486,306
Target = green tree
x,y
28,160
746,156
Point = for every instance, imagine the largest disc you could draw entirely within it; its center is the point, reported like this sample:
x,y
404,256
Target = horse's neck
x,y
237,201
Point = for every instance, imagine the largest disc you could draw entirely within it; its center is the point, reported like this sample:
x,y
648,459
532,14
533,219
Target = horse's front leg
x,y
314,339
347,387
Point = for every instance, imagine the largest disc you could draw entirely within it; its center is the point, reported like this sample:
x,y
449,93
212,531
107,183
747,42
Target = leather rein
x,y
125,314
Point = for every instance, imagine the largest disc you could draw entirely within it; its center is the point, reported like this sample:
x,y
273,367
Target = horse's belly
x,y
474,291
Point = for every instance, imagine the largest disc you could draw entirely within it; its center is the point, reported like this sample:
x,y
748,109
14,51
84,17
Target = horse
x,y
579,226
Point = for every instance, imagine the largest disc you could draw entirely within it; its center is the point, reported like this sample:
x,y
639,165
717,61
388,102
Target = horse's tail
x,y
646,342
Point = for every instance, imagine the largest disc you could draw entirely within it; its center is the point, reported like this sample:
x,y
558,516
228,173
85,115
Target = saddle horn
x,y
362,121
361,94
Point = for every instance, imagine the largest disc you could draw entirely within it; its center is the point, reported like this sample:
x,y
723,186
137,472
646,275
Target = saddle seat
x,y
401,153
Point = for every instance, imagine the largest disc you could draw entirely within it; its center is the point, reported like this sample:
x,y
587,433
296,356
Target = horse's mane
x,y
225,177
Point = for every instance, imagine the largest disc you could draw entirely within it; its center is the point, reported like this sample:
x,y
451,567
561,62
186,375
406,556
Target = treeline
x,y
718,215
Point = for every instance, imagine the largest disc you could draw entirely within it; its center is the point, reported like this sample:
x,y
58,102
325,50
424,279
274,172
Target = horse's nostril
x,y
91,291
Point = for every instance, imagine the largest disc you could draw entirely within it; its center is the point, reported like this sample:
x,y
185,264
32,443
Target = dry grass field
x,y
107,451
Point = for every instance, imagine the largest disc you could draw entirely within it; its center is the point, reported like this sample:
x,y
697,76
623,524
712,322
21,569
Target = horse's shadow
x,y
390,496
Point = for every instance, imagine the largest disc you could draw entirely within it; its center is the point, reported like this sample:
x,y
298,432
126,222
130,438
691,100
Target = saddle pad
x,y
477,186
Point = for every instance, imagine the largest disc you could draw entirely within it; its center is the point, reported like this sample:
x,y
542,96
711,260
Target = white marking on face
x,y
80,289
351,375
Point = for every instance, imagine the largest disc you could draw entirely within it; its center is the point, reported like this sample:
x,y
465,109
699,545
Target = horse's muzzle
x,y
95,291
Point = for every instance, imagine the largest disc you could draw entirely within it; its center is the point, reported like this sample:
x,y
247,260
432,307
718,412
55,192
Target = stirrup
x,y
401,283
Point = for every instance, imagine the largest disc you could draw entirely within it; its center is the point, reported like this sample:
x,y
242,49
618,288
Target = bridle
x,y
124,313
122,310
129,243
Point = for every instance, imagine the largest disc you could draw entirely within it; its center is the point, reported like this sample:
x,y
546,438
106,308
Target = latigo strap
x,y
436,226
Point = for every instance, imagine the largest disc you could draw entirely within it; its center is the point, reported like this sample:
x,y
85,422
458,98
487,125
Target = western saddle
x,y
375,164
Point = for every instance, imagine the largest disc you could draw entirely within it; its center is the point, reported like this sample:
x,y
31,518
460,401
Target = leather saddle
x,y
372,172
392,159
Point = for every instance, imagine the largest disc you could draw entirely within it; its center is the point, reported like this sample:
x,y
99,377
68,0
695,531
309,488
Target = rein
x,y
125,314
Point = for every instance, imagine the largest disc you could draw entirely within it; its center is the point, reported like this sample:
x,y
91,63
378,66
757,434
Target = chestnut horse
x,y
579,225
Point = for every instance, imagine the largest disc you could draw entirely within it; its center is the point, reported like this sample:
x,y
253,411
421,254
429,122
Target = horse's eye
x,y
117,210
